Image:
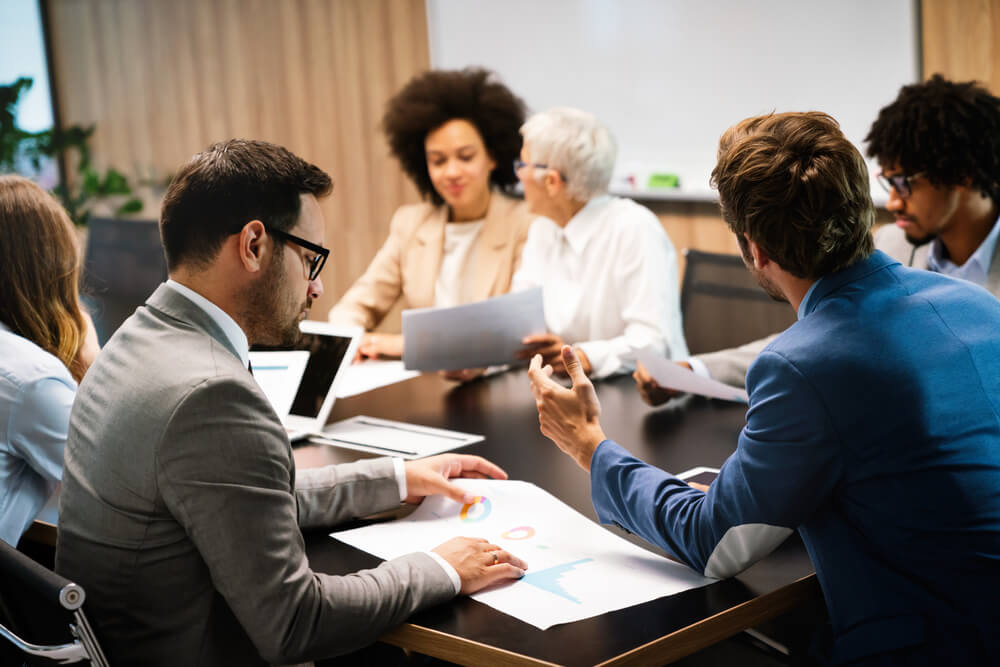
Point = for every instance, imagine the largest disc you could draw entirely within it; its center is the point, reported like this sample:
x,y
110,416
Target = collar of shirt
x,y
233,332
978,265
587,221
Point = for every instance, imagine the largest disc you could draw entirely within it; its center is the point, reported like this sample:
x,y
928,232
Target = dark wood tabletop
x,y
686,433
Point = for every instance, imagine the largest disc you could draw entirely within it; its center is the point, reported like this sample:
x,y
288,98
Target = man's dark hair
x,y
948,131
225,187
796,186
433,98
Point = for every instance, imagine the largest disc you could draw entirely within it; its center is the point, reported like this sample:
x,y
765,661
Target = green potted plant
x,y
25,152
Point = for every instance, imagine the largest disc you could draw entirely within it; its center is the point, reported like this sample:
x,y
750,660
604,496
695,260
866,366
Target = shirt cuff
x,y
699,367
456,580
400,469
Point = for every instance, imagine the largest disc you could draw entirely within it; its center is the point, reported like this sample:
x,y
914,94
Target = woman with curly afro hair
x,y
455,134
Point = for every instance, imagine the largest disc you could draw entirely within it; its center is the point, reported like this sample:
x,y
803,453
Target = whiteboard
x,y
669,76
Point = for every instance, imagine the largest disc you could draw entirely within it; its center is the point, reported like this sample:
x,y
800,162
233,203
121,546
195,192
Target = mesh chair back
x,y
124,263
723,306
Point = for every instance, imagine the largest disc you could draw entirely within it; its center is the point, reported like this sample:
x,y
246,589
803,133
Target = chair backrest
x,y
723,306
123,264
41,615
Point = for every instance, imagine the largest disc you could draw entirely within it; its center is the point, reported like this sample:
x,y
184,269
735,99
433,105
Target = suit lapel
x,y
421,273
487,253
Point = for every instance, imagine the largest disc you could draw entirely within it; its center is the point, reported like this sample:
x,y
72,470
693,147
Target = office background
x,y
162,80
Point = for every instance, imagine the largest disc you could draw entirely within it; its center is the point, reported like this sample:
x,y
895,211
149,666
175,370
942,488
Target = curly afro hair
x,y
433,98
946,130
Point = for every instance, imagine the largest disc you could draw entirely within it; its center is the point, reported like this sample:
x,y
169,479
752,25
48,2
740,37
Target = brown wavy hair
x,y
796,186
40,271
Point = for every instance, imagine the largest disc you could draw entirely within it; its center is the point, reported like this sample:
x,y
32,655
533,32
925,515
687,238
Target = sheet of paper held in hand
x,y
392,438
476,335
371,374
576,568
672,376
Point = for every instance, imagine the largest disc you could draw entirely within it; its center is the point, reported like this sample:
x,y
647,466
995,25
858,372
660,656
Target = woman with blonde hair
x,y
47,342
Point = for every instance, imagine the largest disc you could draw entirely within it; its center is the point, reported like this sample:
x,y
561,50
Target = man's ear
x,y
253,246
759,256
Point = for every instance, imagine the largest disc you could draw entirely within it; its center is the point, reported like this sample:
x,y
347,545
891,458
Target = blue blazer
x,y
874,429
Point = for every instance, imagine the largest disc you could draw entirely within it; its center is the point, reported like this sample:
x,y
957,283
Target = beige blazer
x,y
407,265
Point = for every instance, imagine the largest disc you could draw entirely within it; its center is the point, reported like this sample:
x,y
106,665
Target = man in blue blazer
x,y
873,426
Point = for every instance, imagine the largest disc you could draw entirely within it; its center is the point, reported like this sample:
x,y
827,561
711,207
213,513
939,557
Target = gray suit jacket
x,y
730,366
181,512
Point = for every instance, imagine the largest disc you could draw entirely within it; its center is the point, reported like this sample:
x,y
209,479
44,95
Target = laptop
x,y
331,350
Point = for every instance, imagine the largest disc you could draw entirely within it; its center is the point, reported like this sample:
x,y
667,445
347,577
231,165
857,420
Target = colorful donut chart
x,y
477,510
519,533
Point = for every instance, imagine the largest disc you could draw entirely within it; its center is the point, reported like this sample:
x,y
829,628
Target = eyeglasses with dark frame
x,y
898,182
318,260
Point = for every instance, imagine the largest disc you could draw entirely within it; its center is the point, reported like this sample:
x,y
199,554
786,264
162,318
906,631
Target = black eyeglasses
x,y
318,260
901,183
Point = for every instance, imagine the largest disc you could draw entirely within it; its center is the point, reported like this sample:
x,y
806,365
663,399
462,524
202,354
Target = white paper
x,y
278,375
673,376
576,568
475,335
392,438
372,374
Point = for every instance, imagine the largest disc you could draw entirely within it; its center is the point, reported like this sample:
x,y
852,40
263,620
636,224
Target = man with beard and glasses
x,y
938,147
873,425
181,506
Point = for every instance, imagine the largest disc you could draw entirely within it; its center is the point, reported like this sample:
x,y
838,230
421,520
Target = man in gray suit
x,y
181,507
938,146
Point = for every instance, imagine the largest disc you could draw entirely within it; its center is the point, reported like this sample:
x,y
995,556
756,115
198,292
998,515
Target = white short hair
x,y
577,145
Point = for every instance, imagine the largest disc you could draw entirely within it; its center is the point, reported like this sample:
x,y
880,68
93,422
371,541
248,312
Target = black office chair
x,y
41,615
123,264
723,306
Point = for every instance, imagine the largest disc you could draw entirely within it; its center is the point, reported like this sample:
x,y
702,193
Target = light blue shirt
x,y
36,395
976,269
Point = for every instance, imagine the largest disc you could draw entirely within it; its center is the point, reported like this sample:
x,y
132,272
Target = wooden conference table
x,y
684,434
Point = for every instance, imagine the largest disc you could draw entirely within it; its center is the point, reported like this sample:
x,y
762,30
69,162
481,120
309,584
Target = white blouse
x,y
458,240
609,282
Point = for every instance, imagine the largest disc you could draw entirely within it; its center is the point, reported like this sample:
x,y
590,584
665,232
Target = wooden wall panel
x,y
961,40
164,79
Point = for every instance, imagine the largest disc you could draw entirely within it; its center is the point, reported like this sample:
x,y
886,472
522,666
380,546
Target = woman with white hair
x,y
607,269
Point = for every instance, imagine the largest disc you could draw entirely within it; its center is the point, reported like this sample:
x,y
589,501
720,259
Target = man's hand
x,y
550,346
464,375
568,417
479,563
425,477
649,390
380,346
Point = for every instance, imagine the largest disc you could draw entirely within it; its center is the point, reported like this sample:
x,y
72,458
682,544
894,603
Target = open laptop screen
x,y
326,354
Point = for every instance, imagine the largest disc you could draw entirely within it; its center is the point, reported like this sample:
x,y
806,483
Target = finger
x,y
534,339
502,557
700,487
573,367
472,465
453,491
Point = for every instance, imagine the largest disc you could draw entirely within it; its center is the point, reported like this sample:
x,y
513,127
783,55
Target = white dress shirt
x,y
458,240
36,395
238,339
609,282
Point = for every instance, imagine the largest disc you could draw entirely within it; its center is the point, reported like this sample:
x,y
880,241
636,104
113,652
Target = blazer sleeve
x,y
333,494
368,300
226,475
787,464
730,366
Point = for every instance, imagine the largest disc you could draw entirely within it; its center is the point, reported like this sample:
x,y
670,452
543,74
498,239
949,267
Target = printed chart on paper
x,y
576,568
